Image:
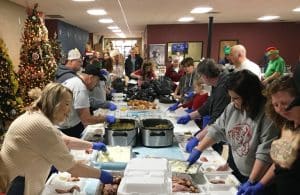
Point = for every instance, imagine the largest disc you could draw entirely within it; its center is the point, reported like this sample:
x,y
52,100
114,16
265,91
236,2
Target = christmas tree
x,y
37,64
56,48
10,104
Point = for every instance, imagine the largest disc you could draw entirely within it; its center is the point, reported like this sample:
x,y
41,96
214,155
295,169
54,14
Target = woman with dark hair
x,y
244,126
285,171
145,73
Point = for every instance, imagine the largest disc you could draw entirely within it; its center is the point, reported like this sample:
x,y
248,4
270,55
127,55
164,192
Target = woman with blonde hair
x,y
33,144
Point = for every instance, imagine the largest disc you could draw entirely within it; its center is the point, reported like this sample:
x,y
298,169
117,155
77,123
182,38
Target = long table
x,y
172,152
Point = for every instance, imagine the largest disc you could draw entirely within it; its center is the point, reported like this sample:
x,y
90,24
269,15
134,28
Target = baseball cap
x,y
92,69
74,54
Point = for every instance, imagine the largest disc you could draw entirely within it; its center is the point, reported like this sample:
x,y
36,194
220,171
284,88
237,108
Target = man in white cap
x,y
80,115
70,69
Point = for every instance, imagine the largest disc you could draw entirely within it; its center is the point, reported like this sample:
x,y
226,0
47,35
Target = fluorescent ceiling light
x,y
83,0
201,10
113,27
185,19
116,30
296,9
122,35
106,20
267,18
96,12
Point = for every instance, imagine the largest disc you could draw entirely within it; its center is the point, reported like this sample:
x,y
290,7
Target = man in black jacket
x,y
133,62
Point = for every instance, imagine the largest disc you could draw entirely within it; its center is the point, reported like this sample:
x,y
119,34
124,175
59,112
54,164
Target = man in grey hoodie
x,y
69,70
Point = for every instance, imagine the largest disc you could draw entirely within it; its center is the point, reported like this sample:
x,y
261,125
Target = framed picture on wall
x,y
224,44
186,49
157,52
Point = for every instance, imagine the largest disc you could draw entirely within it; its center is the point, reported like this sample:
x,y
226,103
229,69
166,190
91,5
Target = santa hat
x,y
272,50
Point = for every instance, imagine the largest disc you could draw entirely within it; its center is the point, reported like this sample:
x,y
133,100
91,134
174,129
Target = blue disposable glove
x,y
189,110
184,119
106,177
110,119
173,107
99,146
194,156
103,72
189,94
243,188
112,106
256,189
191,144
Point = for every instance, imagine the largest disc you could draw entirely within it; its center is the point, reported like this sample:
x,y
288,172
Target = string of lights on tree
x,y
10,103
56,48
37,63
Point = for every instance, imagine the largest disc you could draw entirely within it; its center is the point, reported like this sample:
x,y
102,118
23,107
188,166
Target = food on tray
x,y
161,126
70,190
73,179
213,168
122,126
183,185
223,167
203,159
112,189
222,180
64,176
217,181
141,105
115,154
180,167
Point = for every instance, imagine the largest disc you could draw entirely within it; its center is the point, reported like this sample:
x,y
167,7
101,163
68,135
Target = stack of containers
x,y
146,176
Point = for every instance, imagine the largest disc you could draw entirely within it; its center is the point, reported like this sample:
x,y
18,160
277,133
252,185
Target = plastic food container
x,y
116,159
215,168
146,176
221,181
179,166
194,190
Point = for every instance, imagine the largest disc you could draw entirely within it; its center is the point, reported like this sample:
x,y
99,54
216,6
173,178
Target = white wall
x,y
12,18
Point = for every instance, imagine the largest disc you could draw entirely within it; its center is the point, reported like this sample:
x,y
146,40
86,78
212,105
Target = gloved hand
x,y
184,119
191,144
189,110
110,119
103,72
189,94
256,189
112,106
173,107
194,156
243,188
99,146
106,177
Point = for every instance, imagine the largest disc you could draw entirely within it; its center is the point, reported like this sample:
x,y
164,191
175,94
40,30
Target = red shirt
x,y
172,74
197,101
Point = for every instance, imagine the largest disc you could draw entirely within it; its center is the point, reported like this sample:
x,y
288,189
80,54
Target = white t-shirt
x,y
251,66
80,100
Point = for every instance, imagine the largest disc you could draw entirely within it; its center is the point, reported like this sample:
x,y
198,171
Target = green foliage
x,y
37,64
10,104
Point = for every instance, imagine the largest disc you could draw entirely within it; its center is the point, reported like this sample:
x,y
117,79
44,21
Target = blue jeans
x,y
17,186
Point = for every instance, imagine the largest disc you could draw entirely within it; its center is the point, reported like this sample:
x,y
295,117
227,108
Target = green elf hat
x,y
227,49
272,50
